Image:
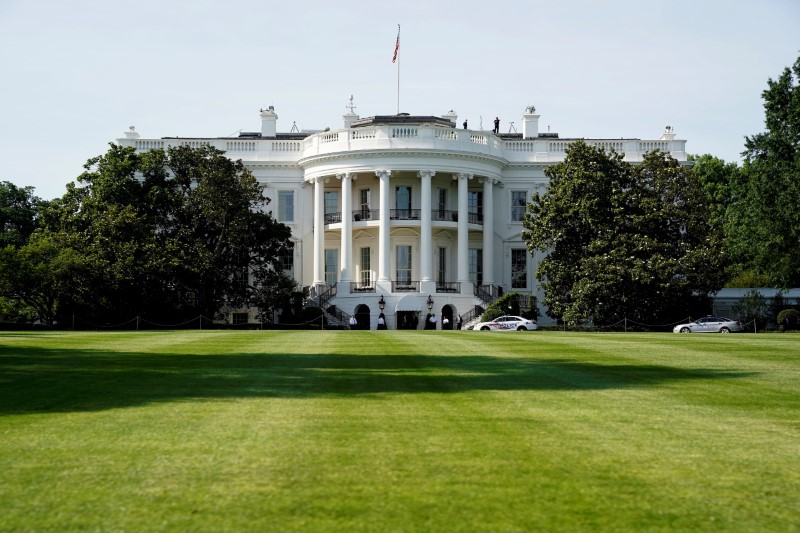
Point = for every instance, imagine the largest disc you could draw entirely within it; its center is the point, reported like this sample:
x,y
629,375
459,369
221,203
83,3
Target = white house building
x,y
403,214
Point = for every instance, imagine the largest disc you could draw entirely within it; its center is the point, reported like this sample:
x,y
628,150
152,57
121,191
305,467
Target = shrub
x,y
788,319
752,307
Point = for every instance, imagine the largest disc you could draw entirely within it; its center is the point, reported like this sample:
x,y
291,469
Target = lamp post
x,y
381,303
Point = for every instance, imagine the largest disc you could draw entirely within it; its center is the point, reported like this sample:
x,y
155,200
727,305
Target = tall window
x,y
519,268
475,206
332,214
287,261
364,198
366,270
476,266
441,277
241,277
403,270
518,200
402,201
331,266
442,203
285,206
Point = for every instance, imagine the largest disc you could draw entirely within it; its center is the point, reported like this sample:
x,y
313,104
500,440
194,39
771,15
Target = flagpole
x,y
398,69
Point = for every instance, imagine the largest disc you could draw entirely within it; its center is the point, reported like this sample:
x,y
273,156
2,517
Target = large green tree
x,y
717,179
622,240
17,213
763,219
170,233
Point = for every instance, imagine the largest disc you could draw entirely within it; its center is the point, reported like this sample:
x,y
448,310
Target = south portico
x,y
419,228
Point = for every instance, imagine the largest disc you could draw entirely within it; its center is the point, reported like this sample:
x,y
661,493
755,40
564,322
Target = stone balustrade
x,y
413,137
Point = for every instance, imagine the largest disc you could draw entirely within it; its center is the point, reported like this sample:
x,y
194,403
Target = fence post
x,y
625,320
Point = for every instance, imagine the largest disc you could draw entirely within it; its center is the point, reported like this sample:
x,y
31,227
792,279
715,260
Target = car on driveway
x,y
709,324
507,323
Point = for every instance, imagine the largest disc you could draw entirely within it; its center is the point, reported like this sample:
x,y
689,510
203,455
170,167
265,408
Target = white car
x,y
709,324
507,323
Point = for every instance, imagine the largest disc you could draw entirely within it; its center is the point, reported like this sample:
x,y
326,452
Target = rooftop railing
x,y
427,137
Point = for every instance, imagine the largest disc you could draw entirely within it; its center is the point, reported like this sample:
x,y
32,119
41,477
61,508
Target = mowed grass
x,y
399,431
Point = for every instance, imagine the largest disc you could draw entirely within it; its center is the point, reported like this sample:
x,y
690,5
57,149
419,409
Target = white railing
x,y
240,146
148,144
404,132
422,137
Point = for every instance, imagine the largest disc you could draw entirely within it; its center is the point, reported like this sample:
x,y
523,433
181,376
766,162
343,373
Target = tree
x,y
17,213
717,179
752,308
170,232
622,240
763,219
43,275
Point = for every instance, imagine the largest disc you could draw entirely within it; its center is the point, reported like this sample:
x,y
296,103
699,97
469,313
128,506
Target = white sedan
x,y
709,324
507,323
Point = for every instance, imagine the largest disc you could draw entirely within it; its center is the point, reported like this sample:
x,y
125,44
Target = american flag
x,y
396,45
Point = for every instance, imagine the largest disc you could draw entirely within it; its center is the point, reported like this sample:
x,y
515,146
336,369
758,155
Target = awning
x,y
411,302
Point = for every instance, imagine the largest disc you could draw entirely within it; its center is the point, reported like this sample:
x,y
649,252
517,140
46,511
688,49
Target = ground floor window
x,y
331,266
366,268
441,277
476,266
519,268
287,261
403,265
240,318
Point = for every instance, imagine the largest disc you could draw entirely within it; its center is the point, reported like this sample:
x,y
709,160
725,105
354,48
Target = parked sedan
x,y
508,323
709,324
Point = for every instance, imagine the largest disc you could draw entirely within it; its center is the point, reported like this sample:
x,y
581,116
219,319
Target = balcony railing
x,y
363,215
404,214
357,286
405,286
448,286
333,218
444,215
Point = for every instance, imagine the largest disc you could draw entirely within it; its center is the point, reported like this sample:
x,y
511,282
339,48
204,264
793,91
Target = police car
x,y
507,323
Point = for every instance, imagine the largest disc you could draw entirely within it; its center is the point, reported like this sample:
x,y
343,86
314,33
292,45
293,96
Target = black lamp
x,y
381,303
430,302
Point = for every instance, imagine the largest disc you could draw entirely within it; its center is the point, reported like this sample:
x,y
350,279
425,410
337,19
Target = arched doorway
x,y
362,316
447,317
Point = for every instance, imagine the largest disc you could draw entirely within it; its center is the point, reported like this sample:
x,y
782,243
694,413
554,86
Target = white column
x,y
426,239
384,244
319,231
463,234
346,248
488,231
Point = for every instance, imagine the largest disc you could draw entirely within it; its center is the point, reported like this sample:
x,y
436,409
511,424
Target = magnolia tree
x,y
622,240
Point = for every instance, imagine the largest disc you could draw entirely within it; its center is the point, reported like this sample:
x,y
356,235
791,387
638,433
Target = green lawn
x,y
399,431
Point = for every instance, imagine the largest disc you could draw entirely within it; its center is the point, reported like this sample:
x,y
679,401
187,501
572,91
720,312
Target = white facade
x,y
411,207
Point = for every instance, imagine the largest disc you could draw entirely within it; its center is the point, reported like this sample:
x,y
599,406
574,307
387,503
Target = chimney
x,y
530,123
269,122
452,116
668,135
349,118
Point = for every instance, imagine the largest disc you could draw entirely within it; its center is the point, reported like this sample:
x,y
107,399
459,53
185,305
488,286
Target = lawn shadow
x,y
36,380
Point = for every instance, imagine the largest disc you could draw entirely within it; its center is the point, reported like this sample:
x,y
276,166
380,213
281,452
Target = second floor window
x,y
475,206
285,206
332,214
518,201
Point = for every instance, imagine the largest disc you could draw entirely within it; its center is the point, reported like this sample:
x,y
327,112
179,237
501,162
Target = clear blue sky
x,y
76,74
